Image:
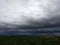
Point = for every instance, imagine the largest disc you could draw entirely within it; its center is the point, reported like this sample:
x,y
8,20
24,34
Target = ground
x,y
29,40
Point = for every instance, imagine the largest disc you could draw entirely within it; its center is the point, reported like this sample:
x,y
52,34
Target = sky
x,y
29,15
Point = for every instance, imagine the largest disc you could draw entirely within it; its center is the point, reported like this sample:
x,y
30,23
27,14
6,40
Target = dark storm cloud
x,y
45,23
50,22
52,19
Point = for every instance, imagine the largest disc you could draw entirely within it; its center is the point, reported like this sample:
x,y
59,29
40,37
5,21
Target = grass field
x,y
29,40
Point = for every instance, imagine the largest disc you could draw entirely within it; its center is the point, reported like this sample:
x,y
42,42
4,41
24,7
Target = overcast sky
x,y
30,14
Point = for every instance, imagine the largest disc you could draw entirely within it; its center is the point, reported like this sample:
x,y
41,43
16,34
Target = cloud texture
x,y
29,15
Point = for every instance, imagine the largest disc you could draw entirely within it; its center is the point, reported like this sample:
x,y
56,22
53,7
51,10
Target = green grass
x,y
29,40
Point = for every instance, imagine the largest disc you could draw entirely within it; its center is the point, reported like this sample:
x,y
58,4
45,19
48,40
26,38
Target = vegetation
x,y
29,40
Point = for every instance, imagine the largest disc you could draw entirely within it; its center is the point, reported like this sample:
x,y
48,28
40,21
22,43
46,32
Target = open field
x,y
29,40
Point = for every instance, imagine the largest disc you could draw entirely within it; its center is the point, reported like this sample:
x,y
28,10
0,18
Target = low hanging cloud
x,y
29,14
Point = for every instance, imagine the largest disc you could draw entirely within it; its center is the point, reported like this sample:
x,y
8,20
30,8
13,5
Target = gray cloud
x,y
16,15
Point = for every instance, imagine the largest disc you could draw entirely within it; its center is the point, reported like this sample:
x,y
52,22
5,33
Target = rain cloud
x,y
29,14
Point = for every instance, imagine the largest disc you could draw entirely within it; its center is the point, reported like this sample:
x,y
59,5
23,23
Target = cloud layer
x,y
29,14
